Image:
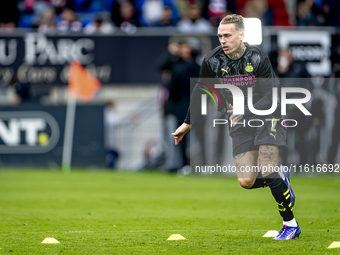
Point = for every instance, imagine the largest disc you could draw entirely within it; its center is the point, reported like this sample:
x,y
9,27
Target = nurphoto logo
x,y
239,103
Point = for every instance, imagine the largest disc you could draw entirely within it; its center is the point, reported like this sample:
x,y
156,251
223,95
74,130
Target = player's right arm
x,y
180,132
195,101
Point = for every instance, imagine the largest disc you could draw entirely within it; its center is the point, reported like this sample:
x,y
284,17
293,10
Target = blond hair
x,y
234,18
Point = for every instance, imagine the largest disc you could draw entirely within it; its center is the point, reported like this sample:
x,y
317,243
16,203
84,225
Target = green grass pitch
x,y
100,212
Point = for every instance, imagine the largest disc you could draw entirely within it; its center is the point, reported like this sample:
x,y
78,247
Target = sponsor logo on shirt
x,y
239,80
249,68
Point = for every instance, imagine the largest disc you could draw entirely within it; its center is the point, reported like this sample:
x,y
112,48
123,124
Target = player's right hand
x,y
234,118
180,132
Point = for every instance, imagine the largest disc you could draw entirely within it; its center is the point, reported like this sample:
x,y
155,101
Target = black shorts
x,y
250,138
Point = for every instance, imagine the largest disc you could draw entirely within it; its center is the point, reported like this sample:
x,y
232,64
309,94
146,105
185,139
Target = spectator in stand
x,y
166,19
58,5
167,61
43,15
335,142
91,6
309,14
100,25
288,68
69,21
215,10
180,62
9,15
22,91
193,22
183,6
165,65
331,9
46,22
114,122
260,9
289,71
124,15
176,61
28,5
151,11
39,6
180,92
112,119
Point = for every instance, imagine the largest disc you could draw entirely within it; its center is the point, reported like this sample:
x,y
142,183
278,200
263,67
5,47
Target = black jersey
x,y
253,69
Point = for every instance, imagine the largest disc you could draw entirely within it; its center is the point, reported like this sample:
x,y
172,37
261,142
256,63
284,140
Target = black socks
x,y
259,183
281,194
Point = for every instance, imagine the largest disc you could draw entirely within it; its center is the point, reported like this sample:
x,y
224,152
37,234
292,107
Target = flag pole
x,y
81,84
68,133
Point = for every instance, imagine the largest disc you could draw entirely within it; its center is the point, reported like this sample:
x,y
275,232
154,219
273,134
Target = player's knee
x,y
246,183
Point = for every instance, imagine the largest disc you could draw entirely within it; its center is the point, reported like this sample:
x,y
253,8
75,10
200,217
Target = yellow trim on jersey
x,y
225,70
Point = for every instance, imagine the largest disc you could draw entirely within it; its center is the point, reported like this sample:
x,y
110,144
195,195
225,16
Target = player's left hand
x,y
234,118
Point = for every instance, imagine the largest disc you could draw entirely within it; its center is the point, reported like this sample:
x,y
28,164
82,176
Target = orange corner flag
x,y
81,83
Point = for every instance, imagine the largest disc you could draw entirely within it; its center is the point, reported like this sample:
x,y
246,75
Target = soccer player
x,y
235,59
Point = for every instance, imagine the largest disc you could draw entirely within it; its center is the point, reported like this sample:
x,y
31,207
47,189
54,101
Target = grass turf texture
x,y
120,213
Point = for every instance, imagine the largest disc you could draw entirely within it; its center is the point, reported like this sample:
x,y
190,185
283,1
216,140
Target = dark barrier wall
x,y
34,135
113,59
41,59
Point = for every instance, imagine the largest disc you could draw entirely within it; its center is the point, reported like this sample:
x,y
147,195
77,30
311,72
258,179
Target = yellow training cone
x,y
50,240
271,233
334,245
176,237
